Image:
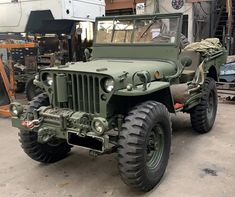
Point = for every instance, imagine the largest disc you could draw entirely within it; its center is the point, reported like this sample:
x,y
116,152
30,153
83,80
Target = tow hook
x,y
32,124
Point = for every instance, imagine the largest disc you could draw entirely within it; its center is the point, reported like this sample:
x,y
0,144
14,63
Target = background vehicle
x,y
227,73
121,99
35,16
55,26
226,84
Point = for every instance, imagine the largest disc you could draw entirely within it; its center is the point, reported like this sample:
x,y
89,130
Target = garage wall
x,y
166,7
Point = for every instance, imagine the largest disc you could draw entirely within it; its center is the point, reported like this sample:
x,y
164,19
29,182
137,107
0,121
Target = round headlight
x,y
109,85
16,109
36,77
48,80
99,127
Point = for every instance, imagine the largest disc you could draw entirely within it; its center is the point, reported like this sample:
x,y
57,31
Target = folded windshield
x,y
123,31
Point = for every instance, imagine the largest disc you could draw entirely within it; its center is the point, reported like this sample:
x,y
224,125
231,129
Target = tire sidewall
x,y
207,89
41,152
200,120
30,89
133,141
154,174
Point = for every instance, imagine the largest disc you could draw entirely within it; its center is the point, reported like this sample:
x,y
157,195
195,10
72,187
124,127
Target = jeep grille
x,y
83,93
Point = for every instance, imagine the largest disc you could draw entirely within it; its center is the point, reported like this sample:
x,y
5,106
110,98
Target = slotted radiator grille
x,y
83,93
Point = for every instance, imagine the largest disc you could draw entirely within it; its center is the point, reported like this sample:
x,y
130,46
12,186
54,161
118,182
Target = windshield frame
x,y
134,18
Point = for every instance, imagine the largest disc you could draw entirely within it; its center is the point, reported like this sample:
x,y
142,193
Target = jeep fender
x,y
157,91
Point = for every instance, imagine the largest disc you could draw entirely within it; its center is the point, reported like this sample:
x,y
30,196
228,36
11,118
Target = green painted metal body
x,y
78,96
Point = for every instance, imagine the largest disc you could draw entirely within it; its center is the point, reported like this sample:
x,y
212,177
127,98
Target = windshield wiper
x,y
150,25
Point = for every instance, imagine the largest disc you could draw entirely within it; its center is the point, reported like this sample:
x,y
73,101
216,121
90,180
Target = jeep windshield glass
x,y
150,31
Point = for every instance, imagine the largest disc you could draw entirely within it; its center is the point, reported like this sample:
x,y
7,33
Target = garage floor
x,y
200,166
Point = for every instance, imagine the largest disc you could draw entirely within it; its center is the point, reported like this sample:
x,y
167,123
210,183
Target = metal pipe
x,y
192,98
200,72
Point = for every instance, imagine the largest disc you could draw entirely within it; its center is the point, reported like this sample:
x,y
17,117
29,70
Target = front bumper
x,y
75,127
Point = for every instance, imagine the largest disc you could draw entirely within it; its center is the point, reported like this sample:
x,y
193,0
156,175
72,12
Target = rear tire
x,y
48,152
203,115
144,145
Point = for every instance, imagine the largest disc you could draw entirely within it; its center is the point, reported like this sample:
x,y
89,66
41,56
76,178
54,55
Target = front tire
x,y
203,115
44,153
31,89
50,152
144,145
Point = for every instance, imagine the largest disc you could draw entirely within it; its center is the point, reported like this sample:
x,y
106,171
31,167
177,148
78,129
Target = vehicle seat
x,y
189,72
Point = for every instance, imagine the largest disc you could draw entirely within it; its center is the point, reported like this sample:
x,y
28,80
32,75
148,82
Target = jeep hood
x,y
116,68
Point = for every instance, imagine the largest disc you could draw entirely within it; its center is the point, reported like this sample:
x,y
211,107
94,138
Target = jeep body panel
x,y
119,68
150,50
135,59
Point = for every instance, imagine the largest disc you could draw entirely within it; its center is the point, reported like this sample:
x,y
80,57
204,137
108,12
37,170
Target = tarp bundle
x,y
206,47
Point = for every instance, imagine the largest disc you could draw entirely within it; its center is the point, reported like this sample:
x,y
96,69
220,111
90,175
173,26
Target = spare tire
x,y
31,89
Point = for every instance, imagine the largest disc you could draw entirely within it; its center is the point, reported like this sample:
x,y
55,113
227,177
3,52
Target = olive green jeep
x,y
120,100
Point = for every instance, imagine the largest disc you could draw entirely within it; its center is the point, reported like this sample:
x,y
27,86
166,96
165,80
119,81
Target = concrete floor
x,y
200,166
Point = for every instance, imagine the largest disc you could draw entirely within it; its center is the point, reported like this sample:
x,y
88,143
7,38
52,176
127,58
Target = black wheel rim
x,y
155,147
211,107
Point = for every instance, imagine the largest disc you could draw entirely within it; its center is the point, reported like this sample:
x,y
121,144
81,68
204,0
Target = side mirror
x,y
186,61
